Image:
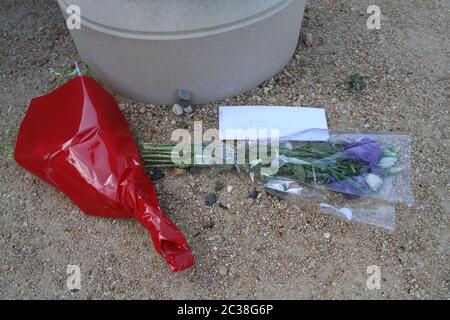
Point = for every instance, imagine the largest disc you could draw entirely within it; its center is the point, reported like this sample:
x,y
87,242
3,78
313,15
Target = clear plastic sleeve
x,y
356,176
359,176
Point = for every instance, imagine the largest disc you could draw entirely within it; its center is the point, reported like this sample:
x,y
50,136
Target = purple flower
x,y
365,150
352,185
375,169
372,168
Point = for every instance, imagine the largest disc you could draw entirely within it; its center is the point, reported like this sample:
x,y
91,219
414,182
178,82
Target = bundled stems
x,y
320,159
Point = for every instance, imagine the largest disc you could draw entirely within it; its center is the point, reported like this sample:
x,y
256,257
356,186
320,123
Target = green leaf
x,y
299,172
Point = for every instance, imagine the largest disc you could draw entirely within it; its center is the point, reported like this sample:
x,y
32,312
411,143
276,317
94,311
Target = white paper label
x,y
240,123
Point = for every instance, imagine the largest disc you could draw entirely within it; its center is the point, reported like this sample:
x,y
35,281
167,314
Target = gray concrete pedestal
x,y
148,49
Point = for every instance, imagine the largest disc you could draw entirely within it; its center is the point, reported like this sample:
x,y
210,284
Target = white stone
x,y
177,109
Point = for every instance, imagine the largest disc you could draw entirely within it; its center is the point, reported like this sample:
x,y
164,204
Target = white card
x,y
240,123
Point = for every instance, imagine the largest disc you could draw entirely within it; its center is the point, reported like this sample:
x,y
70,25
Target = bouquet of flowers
x,y
375,165
76,139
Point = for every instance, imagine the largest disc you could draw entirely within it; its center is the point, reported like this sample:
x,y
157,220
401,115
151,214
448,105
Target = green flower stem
x,y
323,159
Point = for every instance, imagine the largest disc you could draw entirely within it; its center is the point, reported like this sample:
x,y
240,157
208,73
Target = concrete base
x,y
151,49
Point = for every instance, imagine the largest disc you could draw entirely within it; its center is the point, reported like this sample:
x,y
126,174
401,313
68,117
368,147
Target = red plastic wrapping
x,y
77,139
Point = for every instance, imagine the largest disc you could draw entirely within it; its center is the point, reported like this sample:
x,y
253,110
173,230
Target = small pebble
x,y
224,206
157,175
230,189
219,186
223,270
142,110
253,194
249,201
177,172
211,199
327,235
209,226
177,109
188,110
184,95
184,125
307,39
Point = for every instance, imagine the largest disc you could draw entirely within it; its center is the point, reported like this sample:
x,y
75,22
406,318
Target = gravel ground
x,y
263,248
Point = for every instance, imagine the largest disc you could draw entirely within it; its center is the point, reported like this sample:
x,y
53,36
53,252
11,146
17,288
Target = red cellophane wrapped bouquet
x,y
77,140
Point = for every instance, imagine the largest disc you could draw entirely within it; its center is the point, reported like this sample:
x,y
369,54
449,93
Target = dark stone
x,y
209,225
184,125
211,199
157,175
219,186
184,95
253,194
222,206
